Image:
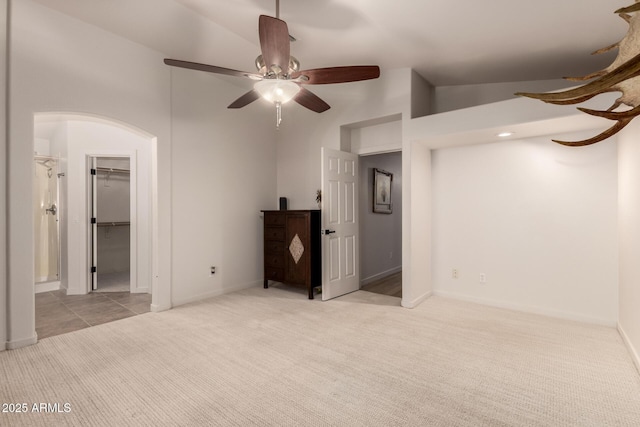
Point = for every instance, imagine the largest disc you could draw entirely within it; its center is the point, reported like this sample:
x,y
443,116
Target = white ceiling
x,y
447,42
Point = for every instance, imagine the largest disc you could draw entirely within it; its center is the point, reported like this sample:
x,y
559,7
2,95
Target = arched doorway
x,y
73,142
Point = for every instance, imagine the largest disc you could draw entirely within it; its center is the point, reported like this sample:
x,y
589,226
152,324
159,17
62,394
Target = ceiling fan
x,y
279,78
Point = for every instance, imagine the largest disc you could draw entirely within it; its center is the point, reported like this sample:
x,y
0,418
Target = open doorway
x,y
111,235
381,223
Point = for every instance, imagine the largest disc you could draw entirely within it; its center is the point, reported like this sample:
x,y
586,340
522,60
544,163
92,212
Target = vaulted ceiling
x,y
447,42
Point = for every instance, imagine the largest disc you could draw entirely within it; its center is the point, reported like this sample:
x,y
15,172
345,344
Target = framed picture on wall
x,y
382,191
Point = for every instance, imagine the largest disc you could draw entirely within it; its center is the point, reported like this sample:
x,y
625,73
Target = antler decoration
x,y
621,76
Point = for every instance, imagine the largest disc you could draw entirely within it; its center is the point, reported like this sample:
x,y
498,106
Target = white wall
x,y
422,96
380,234
629,237
61,64
449,98
380,138
468,126
539,219
224,173
416,222
3,166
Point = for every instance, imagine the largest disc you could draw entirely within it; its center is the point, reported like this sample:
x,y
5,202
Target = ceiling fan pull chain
x,y
278,114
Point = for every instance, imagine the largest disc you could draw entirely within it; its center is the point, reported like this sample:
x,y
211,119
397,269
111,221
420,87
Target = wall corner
x,y
422,96
633,352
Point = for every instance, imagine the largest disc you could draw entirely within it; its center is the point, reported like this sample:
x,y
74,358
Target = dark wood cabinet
x,y
292,248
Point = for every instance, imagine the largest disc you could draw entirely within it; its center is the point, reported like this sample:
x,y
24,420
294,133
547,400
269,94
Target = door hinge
x,y
93,220
94,269
94,172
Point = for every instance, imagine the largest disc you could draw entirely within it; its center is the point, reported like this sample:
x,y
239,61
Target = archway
x,y
72,140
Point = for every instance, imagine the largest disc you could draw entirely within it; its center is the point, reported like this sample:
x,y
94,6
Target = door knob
x,y
327,231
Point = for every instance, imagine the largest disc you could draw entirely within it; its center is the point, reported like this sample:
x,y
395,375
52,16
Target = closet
x,y
111,243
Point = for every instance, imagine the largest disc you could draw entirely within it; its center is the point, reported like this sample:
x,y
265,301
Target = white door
x,y
340,257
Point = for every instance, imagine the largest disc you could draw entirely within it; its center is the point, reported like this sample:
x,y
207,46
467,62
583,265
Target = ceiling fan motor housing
x,y
294,65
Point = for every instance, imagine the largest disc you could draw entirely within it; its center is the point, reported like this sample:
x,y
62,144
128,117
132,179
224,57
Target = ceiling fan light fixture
x,y
277,91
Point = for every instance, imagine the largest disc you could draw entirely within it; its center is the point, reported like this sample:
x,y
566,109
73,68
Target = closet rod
x,y
112,170
113,224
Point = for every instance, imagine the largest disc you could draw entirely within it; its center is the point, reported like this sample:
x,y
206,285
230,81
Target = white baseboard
x,y
416,301
379,276
528,309
47,287
156,308
76,291
215,293
632,350
12,345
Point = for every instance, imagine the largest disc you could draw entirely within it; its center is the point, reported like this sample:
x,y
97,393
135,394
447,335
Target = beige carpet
x,y
272,357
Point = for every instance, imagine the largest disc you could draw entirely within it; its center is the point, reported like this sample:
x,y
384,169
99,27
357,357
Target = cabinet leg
x,y
310,293
266,283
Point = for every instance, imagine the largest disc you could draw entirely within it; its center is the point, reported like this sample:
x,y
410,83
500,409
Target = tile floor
x,y
58,313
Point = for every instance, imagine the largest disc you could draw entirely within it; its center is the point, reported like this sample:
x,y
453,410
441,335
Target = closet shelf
x,y
112,170
114,224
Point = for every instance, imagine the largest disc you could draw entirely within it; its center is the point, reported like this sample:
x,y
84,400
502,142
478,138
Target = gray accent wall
x,y
380,234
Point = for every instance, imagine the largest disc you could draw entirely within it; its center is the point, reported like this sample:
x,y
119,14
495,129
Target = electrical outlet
x,y
454,273
212,271
483,278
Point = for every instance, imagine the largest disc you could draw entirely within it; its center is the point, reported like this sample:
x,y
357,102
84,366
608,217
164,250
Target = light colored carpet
x,y
273,357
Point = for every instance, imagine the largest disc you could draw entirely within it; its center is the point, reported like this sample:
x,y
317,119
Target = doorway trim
x,y
352,144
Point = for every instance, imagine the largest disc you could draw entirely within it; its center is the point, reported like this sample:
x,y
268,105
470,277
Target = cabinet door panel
x,y
297,249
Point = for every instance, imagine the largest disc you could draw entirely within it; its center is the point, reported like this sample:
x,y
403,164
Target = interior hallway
x,y
390,285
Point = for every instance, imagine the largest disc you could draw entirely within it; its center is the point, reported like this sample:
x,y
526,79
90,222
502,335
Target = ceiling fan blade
x,y
211,69
245,99
308,99
274,42
321,76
